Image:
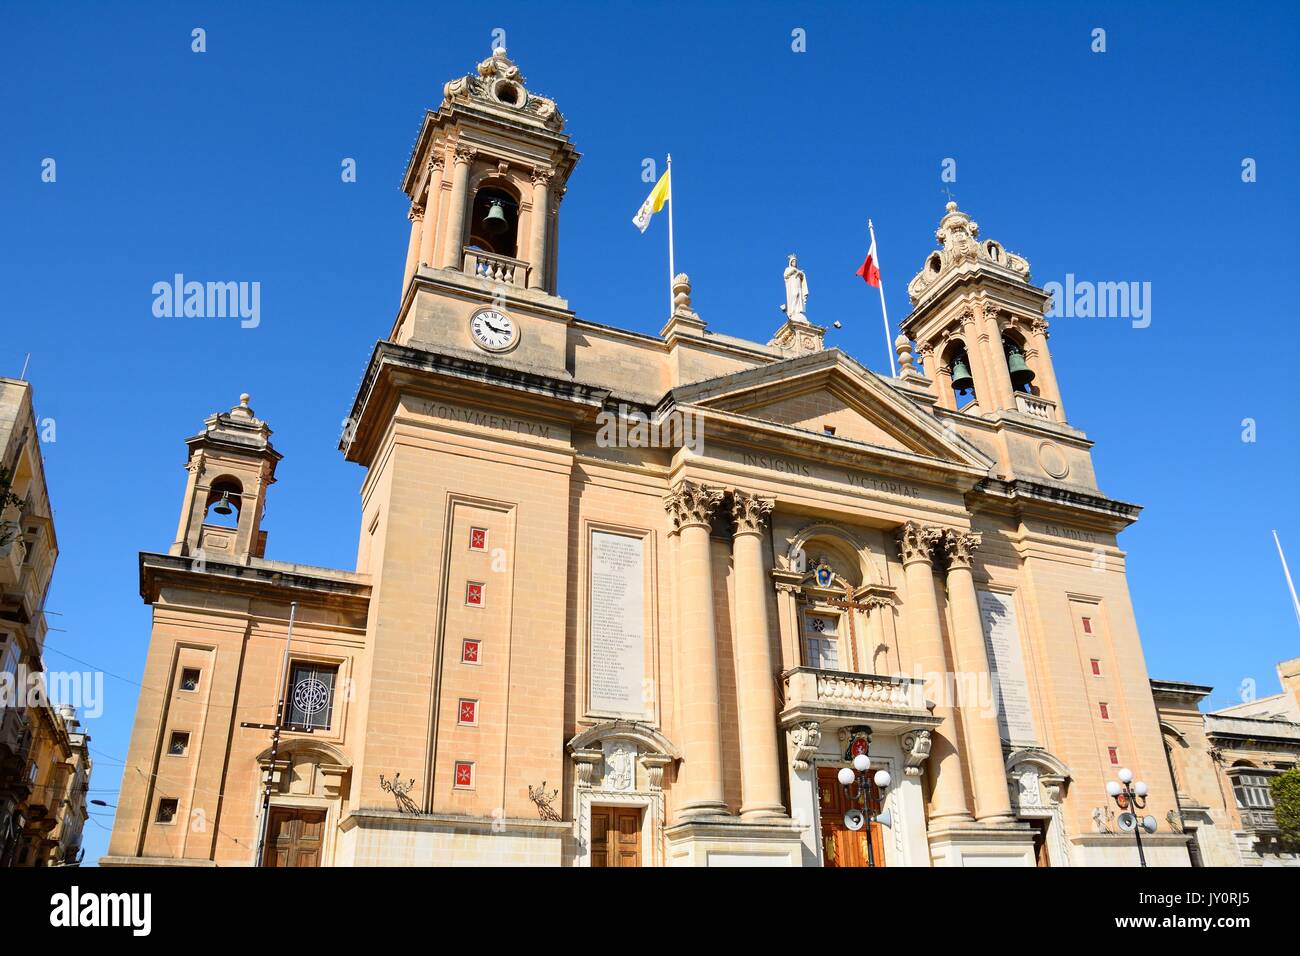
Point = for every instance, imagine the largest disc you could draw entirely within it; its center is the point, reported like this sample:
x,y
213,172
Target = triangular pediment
x,y
827,391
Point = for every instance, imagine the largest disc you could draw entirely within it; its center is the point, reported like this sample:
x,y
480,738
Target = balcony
x,y
1035,407
13,553
834,698
495,268
1257,820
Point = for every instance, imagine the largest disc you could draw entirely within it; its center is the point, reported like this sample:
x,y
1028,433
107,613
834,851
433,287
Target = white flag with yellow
x,y
662,193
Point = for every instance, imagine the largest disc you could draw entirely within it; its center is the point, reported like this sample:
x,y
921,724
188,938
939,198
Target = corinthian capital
x,y
465,154
960,547
692,504
750,511
541,175
916,540
416,212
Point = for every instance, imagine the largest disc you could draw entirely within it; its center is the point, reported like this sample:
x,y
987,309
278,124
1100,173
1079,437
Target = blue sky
x,y
1115,166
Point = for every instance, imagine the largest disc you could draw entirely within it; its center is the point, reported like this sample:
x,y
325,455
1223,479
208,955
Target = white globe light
x,y
1140,788
1112,788
845,776
1125,775
861,763
882,779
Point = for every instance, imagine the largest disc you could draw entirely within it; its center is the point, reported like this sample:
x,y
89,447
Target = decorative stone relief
x,y
620,765
805,738
916,750
959,546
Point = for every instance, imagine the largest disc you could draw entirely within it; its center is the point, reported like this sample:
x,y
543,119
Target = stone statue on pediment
x,y
796,292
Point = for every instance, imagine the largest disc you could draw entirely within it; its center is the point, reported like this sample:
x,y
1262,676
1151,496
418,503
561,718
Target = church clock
x,y
493,330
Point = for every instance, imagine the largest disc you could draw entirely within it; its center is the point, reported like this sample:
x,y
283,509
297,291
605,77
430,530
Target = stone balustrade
x,y
489,265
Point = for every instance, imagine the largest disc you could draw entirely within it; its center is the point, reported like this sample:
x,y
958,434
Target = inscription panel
x,y
616,645
1007,667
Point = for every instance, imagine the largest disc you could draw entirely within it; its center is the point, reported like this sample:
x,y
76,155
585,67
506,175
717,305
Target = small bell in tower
x,y
961,380
223,507
1021,373
495,221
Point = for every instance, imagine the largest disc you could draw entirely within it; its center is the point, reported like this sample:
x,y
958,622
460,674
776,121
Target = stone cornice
x,y
377,395
347,590
1022,497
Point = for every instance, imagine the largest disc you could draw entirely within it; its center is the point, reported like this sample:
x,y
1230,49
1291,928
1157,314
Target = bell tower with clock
x,y
485,180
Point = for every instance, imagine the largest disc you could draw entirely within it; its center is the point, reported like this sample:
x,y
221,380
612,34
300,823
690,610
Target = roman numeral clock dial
x,y
493,330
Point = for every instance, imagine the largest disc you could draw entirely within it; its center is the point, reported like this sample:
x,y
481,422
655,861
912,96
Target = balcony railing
x,y
489,265
1036,407
811,693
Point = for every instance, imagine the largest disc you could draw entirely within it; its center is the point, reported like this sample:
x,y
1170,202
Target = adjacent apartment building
x,y
44,752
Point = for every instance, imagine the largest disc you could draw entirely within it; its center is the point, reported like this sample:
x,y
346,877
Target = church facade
x,y
637,600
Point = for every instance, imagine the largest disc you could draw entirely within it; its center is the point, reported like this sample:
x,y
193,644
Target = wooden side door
x,y
840,845
294,837
615,836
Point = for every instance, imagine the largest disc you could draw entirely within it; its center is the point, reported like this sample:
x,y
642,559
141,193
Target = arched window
x,y
494,222
224,503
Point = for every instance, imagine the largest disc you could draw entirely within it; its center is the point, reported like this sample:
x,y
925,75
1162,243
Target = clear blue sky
x,y
1122,166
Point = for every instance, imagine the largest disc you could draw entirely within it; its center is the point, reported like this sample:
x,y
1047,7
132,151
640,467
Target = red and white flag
x,y
870,268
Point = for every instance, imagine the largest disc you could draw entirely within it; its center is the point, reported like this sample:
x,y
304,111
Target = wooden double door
x,y
840,845
616,836
294,837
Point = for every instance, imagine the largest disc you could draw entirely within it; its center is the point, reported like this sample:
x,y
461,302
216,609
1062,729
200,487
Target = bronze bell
x,y
961,380
495,221
1021,373
223,506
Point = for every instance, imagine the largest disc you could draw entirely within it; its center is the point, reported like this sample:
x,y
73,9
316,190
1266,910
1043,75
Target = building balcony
x,y
1258,820
838,698
1036,407
12,554
495,268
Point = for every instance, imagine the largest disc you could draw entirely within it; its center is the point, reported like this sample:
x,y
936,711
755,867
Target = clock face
x,y
493,330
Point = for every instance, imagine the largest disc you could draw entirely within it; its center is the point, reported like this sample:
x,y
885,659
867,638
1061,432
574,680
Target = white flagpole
x,y
671,273
1289,583
889,343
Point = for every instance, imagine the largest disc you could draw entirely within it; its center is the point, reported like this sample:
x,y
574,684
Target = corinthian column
x,y
431,212
453,245
537,250
691,508
979,719
921,614
416,215
760,765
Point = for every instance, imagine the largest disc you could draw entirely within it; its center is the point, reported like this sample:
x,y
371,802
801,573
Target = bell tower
x,y
978,324
231,464
485,181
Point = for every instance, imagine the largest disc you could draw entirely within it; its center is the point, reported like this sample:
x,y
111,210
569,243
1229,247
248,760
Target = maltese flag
x,y
870,268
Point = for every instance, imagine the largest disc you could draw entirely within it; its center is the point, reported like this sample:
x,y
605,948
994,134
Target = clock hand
x,y
495,329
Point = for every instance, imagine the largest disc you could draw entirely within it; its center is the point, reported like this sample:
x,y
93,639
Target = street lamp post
x,y
856,781
1130,795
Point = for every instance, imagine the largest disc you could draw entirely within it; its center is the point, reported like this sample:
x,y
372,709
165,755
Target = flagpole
x,y
1287,571
889,343
671,272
